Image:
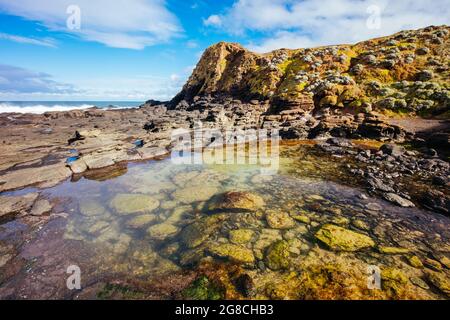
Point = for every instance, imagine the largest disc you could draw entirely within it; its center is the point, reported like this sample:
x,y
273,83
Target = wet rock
x,y
392,250
419,282
140,221
279,220
203,289
15,205
377,184
393,281
440,281
402,202
241,236
432,264
244,284
361,224
41,207
415,262
277,255
236,201
199,231
436,200
303,218
232,252
194,194
340,239
162,231
133,203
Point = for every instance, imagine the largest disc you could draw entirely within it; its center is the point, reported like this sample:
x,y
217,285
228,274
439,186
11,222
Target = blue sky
x,y
142,49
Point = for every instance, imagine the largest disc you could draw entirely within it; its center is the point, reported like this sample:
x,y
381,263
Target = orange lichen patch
x,y
368,144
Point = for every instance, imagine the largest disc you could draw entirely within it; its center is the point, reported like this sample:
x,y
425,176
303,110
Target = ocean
x,y
39,107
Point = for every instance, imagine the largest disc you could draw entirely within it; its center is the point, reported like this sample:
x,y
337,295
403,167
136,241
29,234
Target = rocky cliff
x,y
406,73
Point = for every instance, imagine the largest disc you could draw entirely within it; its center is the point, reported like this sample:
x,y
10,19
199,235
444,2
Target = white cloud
x,y
21,84
132,24
40,42
191,44
18,80
213,20
290,23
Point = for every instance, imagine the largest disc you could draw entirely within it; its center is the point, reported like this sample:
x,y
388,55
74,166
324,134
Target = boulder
x,y
341,239
279,220
232,252
236,201
162,231
277,255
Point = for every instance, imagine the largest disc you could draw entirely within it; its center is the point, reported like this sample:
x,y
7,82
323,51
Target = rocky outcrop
x,y
405,72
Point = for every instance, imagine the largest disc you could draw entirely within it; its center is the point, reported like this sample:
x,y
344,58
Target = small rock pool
x,y
161,230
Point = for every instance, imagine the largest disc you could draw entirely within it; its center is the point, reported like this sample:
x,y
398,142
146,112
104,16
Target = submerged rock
x,y
140,221
197,232
232,252
91,208
194,194
277,255
133,203
279,220
236,200
340,239
241,236
203,289
162,231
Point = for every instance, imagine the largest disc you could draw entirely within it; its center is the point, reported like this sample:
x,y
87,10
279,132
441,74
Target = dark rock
x,y
392,149
437,200
77,136
377,184
244,284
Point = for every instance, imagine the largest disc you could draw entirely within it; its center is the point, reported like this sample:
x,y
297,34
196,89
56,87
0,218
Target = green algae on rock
x,y
236,200
393,250
279,220
140,221
91,208
232,252
241,236
340,239
133,203
203,289
199,231
277,255
162,231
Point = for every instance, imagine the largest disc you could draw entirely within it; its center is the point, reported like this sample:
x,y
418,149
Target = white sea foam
x,y
10,107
